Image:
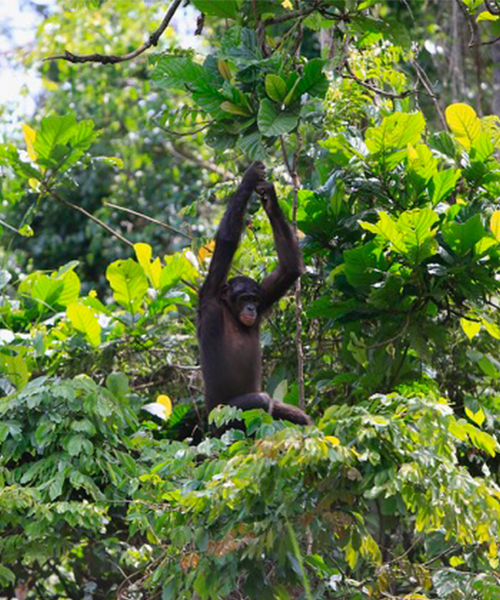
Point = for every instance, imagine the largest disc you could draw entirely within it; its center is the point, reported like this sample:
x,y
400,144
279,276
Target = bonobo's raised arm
x,y
290,266
230,228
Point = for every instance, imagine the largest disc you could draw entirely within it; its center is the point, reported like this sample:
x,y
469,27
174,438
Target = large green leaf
x,y
180,73
15,368
464,123
252,146
272,122
461,237
313,81
396,131
227,9
418,231
129,283
442,184
363,265
177,267
54,131
84,320
276,88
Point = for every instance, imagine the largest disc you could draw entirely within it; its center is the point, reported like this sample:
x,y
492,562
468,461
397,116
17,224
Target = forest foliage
x,y
111,485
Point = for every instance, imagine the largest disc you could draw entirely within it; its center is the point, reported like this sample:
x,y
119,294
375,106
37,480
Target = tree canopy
x,y
379,122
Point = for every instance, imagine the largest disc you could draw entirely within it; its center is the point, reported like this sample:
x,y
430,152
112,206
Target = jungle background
x,y
379,122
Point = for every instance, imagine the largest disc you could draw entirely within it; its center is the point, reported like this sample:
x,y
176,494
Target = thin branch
x,y
487,43
143,216
184,154
374,88
109,229
114,58
182,133
424,80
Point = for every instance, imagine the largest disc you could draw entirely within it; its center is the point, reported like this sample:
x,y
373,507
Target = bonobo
x,y
230,312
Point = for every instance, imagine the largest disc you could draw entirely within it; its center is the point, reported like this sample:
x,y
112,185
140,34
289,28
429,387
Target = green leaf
x,y
363,265
276,88
117,384
272,122
442,184
177,267
54,131
417,230
234,109
396,131
6,576
16,369
313,81
129,283
180,73
464,123
252,146
84,320
227,9
461,237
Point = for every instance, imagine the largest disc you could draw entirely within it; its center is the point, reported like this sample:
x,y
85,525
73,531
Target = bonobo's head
x,y
243,296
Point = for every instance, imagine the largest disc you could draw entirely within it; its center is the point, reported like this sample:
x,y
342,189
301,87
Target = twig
x,y
11,227
393,338
114,58
374,88
424,80
143,216
184,154
182,133
487,43
109,229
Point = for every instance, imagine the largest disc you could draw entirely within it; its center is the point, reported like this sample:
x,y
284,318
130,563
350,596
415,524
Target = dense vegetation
x,y
111,485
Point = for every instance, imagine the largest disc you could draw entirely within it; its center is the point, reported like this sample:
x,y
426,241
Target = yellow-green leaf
x,y
84,320
470,328
29,138
492,328
495,224
485,15
129,283
276,88
152,269
16,369
464,123
478,417
234,109
224,69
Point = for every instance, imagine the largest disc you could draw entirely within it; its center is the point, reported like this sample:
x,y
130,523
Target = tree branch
x,y
109,229
374,88
143,216
114,58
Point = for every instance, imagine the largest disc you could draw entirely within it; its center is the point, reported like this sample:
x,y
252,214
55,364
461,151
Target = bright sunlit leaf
x,y
495,224
470,328
464,123
29,138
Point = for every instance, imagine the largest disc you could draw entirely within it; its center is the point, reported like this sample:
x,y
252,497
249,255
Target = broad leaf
x,y
272,122
442,184
396,131
276,88
129,283
84,320
313,81
464,123
495,224
227,9
252,146
151,268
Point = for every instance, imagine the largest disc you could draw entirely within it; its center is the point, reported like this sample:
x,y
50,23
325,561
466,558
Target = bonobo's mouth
x,y
247,320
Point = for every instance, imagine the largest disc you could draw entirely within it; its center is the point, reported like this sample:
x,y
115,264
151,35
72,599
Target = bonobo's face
x,y
244,296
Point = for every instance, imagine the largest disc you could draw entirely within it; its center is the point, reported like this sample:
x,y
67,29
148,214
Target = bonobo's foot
x,y
288,412
255,174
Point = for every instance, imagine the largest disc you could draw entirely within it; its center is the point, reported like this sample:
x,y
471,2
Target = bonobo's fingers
x,y
255,174
266,191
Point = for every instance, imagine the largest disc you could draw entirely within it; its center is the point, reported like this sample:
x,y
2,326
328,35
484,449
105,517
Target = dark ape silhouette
x,y
230,312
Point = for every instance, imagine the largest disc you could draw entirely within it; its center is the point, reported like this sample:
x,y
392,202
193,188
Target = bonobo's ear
x,y
224,293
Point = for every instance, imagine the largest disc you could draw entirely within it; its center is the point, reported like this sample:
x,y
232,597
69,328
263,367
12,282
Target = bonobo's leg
x,y
278,410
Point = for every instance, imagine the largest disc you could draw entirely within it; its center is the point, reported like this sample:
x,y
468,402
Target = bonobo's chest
x,y
230,356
